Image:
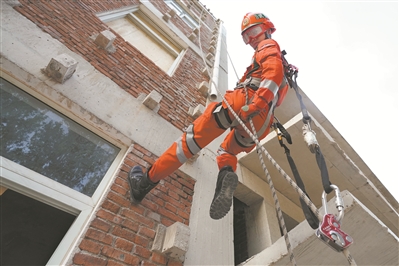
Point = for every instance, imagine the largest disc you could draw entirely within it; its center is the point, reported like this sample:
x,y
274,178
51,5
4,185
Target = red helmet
x,y
252,19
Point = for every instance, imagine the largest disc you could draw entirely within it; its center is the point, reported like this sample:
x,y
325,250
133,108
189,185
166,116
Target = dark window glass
x,y
36,136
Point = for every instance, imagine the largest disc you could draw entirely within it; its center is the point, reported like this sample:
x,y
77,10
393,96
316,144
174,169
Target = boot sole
x,y
132,198
222,203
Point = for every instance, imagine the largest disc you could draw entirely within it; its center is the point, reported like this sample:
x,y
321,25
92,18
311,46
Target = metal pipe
x,y
213,94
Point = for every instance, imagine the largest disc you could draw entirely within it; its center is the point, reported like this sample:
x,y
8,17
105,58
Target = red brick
x,y
114,263
138,218
123,244
176,184
138,153
142,150
166,222
173,195
118,199
161,187
148,203
142,241
132,225
188,191
170,207
142,252
86,259
144,231
137,208
111,206
158,258
170,215
90,246
156,200
183,214
100,224
106,215
149,160
119,255
123,233
119,189
99,236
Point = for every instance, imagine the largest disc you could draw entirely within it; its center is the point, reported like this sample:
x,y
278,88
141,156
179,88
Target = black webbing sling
x,y
309,215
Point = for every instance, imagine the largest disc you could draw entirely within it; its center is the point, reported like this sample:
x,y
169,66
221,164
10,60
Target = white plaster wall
x,y
101,104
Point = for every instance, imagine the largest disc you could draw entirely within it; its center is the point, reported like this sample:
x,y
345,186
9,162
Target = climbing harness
x,y
306,201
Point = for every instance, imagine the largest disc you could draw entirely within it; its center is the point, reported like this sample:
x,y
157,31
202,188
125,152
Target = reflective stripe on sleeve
x,y
271,85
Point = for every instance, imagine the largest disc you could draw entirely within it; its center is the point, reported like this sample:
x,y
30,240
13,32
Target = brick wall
x,y
74,23
122,233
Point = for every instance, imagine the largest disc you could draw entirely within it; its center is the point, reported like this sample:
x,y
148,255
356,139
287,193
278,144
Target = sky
x,y
347,56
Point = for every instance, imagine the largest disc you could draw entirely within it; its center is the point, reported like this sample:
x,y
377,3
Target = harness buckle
x,y
329,230
250,82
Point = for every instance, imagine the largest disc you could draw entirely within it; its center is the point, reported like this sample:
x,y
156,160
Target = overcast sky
x,y
347,55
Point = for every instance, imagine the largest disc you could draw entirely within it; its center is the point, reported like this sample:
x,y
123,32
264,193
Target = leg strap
x,y
222,117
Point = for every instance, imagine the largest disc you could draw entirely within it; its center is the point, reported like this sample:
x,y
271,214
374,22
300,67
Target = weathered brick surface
x,y
74,23
123,235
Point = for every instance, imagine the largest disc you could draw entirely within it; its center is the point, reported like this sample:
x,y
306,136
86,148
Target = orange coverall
x,y
268,69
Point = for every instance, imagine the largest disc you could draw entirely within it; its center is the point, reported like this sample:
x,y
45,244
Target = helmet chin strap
x,y
268,35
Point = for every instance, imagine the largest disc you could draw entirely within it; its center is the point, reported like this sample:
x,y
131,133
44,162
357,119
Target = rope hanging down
x,y
260,149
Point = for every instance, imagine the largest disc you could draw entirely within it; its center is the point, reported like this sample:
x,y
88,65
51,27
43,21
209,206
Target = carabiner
x,y
339,202
329,230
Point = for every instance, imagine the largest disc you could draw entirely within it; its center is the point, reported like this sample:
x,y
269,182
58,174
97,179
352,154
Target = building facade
x,y
90,89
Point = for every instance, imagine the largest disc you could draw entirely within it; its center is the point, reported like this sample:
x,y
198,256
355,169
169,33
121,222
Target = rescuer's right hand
x,y
248,111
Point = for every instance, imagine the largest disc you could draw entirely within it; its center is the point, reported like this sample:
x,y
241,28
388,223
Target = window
x,y
140,31
51,144
56,166
182,13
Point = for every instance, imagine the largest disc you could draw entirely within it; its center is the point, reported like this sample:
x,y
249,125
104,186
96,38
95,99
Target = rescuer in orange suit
x,y
266,86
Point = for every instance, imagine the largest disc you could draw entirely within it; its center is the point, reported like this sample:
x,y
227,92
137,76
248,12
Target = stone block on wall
x,y
203,88
61,68
172,241
176,241
152,100
105,39
197,111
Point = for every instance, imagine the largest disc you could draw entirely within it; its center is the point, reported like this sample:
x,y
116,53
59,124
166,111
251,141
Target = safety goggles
x,y
252,33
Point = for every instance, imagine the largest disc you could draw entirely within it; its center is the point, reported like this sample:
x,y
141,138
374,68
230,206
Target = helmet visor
x,y
252,33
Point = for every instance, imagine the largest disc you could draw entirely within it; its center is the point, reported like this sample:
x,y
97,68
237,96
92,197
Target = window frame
x,y
39,187
129,13
183,14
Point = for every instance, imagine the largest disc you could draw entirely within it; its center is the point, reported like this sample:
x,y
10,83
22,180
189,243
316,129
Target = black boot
x,y
225,187
139,184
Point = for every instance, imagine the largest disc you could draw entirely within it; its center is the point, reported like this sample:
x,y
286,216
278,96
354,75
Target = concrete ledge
x,y
374,243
